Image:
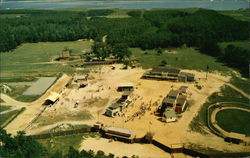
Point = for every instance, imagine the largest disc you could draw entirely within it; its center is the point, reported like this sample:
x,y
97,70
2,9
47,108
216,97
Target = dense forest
x,y
21,146
145,29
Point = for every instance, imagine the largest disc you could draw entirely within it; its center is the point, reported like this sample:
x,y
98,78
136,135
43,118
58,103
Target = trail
x,y
48,127
12,109
10,101
232,86
238,90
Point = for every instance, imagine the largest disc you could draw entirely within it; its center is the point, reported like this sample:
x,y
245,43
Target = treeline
x,y
236,57
21,146
232,55
145,29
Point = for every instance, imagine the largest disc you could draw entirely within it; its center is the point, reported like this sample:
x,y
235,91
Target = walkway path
x,y
234,87
10,101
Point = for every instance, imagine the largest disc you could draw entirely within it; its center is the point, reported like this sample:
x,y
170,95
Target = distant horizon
x,y
125,4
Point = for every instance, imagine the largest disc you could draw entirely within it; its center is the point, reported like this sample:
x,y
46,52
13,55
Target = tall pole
x,y
207,71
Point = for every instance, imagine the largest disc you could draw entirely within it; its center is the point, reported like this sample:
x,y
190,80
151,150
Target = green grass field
x,y
6,116
227,94
242,44
34,59
17,92
4,108
241,14
241,83
233,120
63,143
186,58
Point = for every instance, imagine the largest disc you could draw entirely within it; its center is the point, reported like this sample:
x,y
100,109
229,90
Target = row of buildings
x,y
169,73
118,108
175,102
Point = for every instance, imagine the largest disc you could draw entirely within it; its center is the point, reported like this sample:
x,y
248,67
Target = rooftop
x,y
168,69
173,93
181,100
169,100
186,74
169,113
120,130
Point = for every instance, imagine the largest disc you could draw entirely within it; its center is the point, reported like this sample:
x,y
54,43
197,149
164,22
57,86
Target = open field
x,y
36,59
4,108
227,94
6,116
233,120
241,14
62,143
18,69
241,83
185,58
17,91
242,44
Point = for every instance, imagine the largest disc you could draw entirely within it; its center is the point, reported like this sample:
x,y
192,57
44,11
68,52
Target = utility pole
x,y
207,71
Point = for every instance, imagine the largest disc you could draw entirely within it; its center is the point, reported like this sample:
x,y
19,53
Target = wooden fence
x,y
62,133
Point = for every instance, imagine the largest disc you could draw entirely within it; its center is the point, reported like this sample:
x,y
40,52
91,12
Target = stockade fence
x,y
62,133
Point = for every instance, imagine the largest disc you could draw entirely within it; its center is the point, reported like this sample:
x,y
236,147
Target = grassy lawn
x,y
242,44
233,120
186,58
34,59
4,108
17,92
227,94
241,14
241,83
6,116
62,143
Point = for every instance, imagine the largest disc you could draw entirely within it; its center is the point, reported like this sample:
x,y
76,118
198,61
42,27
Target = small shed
x,y
125,87
114,110
169,116
186,77
54,97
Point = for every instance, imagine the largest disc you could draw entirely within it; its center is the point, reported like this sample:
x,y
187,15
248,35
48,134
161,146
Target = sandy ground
x,y
123,149
102,85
